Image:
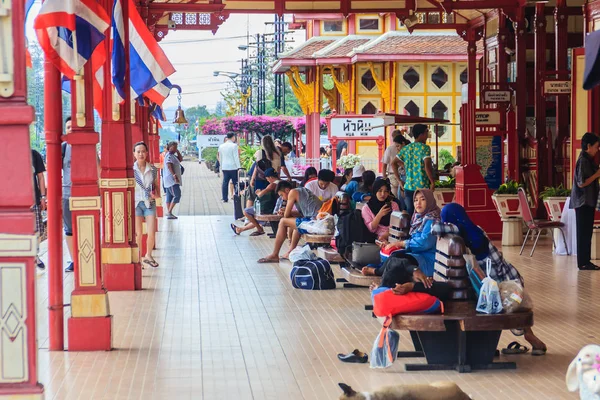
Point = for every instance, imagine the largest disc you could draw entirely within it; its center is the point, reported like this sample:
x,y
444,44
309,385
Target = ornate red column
x,y
521,60
544,165
90,323
472,191
562,102
18,239
120,259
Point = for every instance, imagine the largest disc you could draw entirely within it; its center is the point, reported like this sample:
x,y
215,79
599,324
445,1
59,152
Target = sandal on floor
x,y
150,262
257,233
234,229
515,348
539,352
267,261
589,267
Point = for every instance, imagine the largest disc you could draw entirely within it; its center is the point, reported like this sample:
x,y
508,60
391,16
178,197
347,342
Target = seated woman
x,y
267,199
362,191
346,178
454,219
420,247
309,175
376,213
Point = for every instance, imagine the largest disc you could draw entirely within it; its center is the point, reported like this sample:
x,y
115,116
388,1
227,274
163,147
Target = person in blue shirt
x,y
419,248
361,191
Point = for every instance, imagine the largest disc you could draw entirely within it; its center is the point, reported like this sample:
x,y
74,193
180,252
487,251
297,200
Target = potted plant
x,y
506,200
554,200
444,192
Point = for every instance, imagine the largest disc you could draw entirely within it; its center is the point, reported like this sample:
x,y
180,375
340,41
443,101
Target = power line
x,y
206,62
202,40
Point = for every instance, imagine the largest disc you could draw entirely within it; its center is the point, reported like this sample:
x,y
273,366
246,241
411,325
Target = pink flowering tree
x,y
261,125
212,126
300,125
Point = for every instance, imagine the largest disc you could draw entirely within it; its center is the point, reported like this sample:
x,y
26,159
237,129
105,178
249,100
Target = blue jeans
x,y
408,200
229,175
142,211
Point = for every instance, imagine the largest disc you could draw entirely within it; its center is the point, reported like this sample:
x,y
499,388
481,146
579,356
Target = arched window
x,y
412,109
369,108
440,111
439,78
411,77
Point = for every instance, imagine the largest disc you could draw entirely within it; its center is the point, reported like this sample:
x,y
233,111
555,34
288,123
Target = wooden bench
x,y
460,339
272,219
450,266
315,241
399,226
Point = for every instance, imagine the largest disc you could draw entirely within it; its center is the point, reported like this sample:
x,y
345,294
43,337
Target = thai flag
x,y
149,66
63,25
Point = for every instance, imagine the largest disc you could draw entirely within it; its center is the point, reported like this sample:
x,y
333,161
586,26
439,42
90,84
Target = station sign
x,y
357,127
209,140
488,118
496,96
554,87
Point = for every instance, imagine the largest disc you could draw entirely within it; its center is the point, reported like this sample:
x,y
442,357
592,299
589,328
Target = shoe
x,y
355,357
590,267
224,201
70,267
40,264
171,216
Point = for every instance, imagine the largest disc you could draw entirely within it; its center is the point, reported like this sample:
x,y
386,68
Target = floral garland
x,y
349,161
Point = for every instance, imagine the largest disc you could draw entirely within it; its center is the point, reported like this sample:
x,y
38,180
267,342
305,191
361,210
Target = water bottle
x,y
257,206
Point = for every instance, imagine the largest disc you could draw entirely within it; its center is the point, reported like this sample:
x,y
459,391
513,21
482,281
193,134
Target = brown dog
x,y
433,391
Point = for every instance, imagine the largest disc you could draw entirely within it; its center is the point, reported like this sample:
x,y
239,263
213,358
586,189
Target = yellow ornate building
x,y
377,64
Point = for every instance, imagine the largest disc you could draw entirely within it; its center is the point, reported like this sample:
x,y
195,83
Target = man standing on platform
x,y
418,165
229,158
172,178
388,158
39,186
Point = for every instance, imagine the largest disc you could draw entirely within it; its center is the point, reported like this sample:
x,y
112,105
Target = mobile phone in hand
x,y
379,243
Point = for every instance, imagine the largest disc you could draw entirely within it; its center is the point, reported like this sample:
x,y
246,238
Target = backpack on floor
x,y
352,228
312,275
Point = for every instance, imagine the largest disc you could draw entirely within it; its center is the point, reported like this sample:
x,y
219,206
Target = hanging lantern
x,y
179,115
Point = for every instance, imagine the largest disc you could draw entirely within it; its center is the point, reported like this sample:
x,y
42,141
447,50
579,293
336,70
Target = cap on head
x,y
270,172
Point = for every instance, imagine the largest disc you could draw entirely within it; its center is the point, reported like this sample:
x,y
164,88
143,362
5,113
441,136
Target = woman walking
x,y
146,184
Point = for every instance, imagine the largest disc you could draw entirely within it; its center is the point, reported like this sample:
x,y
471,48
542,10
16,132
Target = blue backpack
x,y
312,275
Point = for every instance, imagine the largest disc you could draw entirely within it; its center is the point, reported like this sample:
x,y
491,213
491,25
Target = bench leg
x,y
274,227
418,353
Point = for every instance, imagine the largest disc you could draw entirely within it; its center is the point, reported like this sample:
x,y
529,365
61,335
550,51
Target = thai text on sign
x,y
357,127
557,87
209,140
496,96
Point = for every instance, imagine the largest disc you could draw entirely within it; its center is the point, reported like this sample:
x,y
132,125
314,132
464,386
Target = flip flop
x,y
284,259
267,261
589,267
150,263
257,233
539,352
233,228
515,348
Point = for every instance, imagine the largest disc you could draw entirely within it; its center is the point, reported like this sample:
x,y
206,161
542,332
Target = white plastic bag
x,y
489,301
323,226
385,347
302,253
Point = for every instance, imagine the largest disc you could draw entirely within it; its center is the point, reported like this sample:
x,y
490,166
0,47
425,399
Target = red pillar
x,y
18,239
120,259
521,60
562,102
54,127
472,191
90,324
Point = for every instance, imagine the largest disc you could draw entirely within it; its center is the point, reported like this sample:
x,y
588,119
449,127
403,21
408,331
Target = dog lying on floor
x,y
433,391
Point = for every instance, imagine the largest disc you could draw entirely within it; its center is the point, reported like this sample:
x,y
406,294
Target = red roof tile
x,y
344,49
308,49
413,44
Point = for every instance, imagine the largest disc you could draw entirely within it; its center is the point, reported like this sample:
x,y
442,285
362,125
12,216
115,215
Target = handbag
x,y
182,169
365,253
262,165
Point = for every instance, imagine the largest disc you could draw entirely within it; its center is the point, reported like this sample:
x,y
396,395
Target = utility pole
x,y
279,42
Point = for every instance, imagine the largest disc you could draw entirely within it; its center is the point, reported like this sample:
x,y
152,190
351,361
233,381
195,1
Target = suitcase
x,y
238,210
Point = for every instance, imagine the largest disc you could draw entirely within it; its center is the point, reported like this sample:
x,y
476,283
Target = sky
x,y
197,54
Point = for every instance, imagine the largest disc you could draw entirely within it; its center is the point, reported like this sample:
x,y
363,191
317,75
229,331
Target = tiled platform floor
x,y
212,324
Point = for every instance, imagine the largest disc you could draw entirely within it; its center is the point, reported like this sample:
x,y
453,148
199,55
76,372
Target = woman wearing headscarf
x,y
419,248
454,219
376,213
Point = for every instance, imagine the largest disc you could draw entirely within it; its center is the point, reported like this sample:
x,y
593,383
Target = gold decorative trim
x,y
85,203
255,5
90,305
115,183
116,255
86,250
129,217
18,245
14,366
135,255
29,396
107,209
158,201
130,182
118,205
